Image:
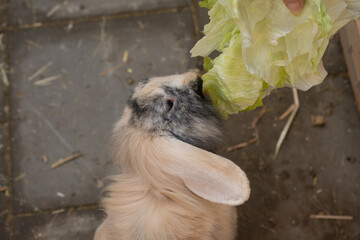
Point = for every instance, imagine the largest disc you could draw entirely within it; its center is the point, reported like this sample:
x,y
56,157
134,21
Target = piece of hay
x,y
47,81
40,71
331,217
253,125
66,160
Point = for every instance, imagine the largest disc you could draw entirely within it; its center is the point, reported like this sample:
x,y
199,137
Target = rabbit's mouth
x,y
197,87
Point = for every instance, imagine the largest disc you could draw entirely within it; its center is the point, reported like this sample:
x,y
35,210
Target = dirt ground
x,y
67,69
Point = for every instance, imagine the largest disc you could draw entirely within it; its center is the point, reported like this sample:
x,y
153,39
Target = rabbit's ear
x,y
208,175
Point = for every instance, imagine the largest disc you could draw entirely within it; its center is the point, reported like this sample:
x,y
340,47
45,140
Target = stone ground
x,y
80,46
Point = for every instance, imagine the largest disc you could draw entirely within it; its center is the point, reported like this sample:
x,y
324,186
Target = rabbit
x,y
172,185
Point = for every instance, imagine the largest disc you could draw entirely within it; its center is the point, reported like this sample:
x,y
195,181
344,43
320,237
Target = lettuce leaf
x,y
228,82
219,27
207,3
263,46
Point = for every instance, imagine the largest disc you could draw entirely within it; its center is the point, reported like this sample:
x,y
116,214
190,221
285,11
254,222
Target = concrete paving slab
x,y
316,172
3,186
80,93
79,225
23,12
3,163
3,81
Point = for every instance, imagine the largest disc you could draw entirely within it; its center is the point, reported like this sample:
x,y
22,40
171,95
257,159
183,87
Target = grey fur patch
x,y
191,119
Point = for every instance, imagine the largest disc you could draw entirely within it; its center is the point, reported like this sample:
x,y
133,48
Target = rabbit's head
x,y
169,128
175,106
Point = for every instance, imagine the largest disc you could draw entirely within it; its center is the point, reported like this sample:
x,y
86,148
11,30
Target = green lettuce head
x,y
263,46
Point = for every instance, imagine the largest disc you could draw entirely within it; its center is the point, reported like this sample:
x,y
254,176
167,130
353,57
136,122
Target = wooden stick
x,y
350,36
65,160
331,217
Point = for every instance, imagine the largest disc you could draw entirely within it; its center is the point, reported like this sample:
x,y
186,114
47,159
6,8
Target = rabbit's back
x,y
151,215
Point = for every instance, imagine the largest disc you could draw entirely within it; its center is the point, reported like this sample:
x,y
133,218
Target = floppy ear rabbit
x,y
171,186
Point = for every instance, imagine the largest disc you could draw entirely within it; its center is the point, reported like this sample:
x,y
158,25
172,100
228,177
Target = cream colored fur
x,y
169,189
